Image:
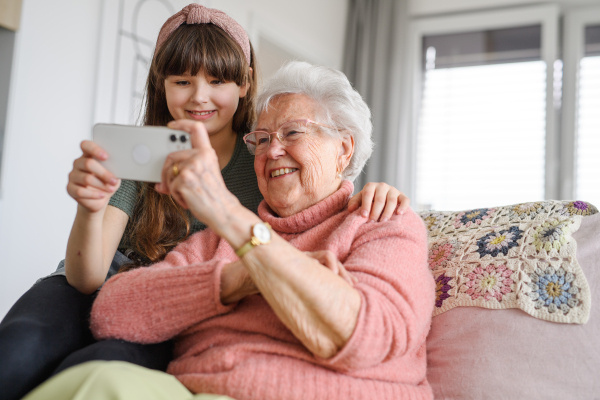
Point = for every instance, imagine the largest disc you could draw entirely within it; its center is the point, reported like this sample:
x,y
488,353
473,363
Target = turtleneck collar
x,y
310,217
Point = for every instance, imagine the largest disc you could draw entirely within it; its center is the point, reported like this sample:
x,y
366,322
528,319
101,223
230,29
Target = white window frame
x,y
547,16
574,26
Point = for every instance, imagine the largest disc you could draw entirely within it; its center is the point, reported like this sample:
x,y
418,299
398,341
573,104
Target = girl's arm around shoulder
x,y
397,289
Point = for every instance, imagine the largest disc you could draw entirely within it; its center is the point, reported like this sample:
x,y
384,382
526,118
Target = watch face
x,y
262,233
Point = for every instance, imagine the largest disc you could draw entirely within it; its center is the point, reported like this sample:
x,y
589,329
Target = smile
x,y
282,171
200,112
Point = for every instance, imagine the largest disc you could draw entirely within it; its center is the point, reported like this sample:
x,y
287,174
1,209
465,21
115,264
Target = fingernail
x,y
113,181
100,195
364,213
385,219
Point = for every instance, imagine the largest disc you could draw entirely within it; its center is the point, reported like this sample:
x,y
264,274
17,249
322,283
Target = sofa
x,y
517,311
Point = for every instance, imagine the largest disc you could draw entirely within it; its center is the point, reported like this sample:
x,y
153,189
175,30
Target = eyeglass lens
x,y
288,134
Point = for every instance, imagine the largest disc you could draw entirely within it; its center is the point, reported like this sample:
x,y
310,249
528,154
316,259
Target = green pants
x,y
114,380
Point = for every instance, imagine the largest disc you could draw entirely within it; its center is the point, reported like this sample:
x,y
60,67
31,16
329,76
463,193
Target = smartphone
x,y
138,152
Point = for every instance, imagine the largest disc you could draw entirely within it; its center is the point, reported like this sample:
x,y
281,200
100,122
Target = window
x,y
580,131
587,182
484,117
481,133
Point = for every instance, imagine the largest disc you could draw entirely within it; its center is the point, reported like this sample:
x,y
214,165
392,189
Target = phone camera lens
x,y
183,138
173,138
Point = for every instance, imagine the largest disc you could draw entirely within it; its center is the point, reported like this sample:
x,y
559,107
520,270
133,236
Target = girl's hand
x,y
387,200
194,179
90,184
329,260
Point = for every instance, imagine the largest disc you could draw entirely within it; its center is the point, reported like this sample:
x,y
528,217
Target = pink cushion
x,y
477,353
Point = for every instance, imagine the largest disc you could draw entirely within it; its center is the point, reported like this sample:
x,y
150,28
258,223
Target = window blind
x,y
481,132
588,132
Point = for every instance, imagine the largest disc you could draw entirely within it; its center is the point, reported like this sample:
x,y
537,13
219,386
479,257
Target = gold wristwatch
x,y
261,234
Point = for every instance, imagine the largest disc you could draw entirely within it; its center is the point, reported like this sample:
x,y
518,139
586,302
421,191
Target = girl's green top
x,y
238,175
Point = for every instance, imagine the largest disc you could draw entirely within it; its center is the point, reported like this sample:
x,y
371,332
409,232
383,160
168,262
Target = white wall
x,y
313,29
49,113
51,105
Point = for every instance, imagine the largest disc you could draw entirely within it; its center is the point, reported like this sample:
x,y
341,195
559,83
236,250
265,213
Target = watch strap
x,y
246,248
241,252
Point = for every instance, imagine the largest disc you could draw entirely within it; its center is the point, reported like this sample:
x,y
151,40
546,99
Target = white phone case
x,y
138,152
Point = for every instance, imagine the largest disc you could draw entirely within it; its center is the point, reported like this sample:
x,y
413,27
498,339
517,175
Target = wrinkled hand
x,y
236,283
90,184
329,260
379,201
196,182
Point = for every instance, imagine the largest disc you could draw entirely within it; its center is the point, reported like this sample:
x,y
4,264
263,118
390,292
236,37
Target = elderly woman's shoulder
x,y
408,224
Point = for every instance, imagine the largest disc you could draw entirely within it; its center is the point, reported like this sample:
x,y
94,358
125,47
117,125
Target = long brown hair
x,y
159,223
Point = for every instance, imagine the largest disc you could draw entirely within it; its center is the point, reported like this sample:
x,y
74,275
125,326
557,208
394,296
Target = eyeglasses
x,y
289,134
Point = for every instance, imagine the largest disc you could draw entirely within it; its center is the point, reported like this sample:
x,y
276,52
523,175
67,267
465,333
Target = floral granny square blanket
x,y
519,256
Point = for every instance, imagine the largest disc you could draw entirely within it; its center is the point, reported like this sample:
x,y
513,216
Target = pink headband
x,y
197,14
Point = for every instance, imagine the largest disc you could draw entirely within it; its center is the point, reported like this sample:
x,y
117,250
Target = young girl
x,y
203,69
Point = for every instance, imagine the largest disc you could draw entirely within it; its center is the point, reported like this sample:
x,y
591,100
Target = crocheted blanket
x,y
519,256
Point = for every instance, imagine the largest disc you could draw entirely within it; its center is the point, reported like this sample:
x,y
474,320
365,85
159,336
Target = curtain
x,y
374,50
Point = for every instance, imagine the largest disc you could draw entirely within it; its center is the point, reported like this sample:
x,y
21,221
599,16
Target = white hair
x,y
343,107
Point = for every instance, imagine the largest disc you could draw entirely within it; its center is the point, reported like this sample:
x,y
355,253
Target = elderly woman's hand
x,y
379,201
329,260
194,179
236,283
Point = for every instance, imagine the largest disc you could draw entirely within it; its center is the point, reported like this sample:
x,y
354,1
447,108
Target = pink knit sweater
x,y
244,351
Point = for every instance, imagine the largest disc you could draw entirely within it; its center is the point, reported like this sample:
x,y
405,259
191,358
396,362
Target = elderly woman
x,y
305,300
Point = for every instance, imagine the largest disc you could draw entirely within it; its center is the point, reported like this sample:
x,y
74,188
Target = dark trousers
x,y
47,331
